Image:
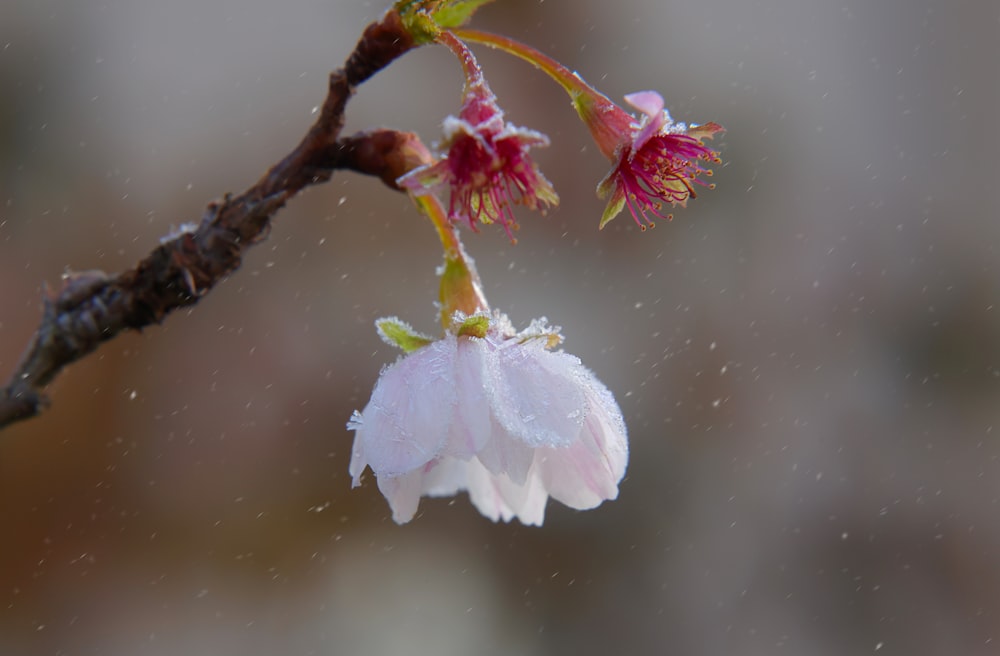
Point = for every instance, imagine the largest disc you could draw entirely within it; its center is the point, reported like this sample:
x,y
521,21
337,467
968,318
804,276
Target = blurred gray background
x,y
807,357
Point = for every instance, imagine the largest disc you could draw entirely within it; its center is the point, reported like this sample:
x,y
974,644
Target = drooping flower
x,y
656,161
493,412
485,166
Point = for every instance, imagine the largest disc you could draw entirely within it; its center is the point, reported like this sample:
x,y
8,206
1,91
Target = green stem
x,y
431,206
608,122
574,85
461,288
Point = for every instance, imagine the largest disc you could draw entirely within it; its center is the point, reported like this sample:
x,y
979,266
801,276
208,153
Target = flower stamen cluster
x,y
657,161
486,167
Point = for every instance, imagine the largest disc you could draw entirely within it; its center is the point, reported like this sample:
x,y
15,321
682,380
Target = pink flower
x,y
498,415
655,160
486,166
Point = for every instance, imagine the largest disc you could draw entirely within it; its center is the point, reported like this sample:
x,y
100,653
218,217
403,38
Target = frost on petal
x,y
358,462
472,425
534,395
604,409
498,415
486,166
588,472
408,418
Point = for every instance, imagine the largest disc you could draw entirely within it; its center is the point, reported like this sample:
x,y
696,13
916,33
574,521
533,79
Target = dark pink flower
x,y
486,166
656,160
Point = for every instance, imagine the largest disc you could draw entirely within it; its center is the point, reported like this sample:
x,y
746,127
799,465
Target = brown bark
x,y
94,307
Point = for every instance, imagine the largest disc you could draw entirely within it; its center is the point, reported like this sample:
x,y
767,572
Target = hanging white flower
x,y
494,412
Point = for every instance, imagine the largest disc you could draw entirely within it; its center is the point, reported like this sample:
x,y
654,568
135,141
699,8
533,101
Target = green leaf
x,y
457,13
400,334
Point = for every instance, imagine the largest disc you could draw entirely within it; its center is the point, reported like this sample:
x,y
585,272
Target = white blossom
x,y
498,415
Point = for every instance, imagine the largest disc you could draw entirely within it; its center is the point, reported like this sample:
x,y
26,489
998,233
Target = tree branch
x,y
93,307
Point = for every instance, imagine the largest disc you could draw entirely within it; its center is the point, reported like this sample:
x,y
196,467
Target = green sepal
x,y
615,205
540,329
460,288
424,19
400,334
418,20
475,326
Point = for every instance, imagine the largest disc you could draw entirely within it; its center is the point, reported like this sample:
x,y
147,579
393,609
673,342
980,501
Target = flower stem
x,y
574,85
606,120
461,288
431,205
470,67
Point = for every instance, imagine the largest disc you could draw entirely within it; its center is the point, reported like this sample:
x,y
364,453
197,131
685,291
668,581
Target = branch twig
x,y
93,307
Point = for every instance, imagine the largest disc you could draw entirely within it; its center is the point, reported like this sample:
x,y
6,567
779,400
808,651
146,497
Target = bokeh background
x,y
808,357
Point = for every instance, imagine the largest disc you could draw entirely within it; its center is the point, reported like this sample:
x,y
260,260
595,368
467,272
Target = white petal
x,y
501,417
358,462
504,455
446,477
408,418
534,394
485,495
588,472
527,500
472,426
403,494
579,476
605,421
497,497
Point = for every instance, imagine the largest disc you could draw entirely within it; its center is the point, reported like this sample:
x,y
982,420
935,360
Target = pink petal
x,y
504,455
446,477
485,495
588,472
358,461
497,497
533,394
472,426
649,103
425,179
527,501
403,494
583,475
407,420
